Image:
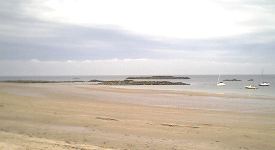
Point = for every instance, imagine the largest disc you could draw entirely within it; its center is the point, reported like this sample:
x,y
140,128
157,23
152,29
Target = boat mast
x,y
262,75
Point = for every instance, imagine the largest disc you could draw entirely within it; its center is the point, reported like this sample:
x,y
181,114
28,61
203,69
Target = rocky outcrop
x,y
158,77
95,80
232,80
132,82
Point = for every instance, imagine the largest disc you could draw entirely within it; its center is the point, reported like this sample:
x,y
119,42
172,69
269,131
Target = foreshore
x,y
70,116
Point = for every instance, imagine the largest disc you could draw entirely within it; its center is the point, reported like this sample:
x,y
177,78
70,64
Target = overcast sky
x,y
95,37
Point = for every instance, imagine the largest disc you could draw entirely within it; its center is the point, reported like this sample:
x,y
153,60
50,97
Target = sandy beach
x,y
76,116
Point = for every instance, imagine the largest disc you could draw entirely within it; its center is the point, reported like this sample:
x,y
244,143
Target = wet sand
x,y
70,116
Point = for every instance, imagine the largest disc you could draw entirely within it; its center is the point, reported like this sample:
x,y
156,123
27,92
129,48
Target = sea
x,y
198,83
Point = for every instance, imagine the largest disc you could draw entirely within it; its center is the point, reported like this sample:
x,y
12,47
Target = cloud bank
x,y
26,36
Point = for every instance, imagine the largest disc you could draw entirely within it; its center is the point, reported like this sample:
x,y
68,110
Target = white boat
x,y
220,83
264,83
250,87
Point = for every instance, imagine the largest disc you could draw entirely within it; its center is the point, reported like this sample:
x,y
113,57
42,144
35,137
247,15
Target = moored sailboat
x,y
263,83
220,83
250,87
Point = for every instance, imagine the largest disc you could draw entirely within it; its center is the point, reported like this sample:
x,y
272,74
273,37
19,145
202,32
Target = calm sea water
x,y
204,83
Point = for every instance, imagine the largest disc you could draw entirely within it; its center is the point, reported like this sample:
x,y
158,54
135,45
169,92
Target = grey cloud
x,y
246,4
24,37
75,41
263,12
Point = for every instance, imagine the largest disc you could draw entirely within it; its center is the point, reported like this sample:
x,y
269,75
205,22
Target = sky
x,y
137,37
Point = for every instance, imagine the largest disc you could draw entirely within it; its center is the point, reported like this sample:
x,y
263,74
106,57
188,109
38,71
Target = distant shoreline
x,y
38,81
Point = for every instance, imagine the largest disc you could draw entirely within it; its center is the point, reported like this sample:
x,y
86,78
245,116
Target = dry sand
x,y
69,116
